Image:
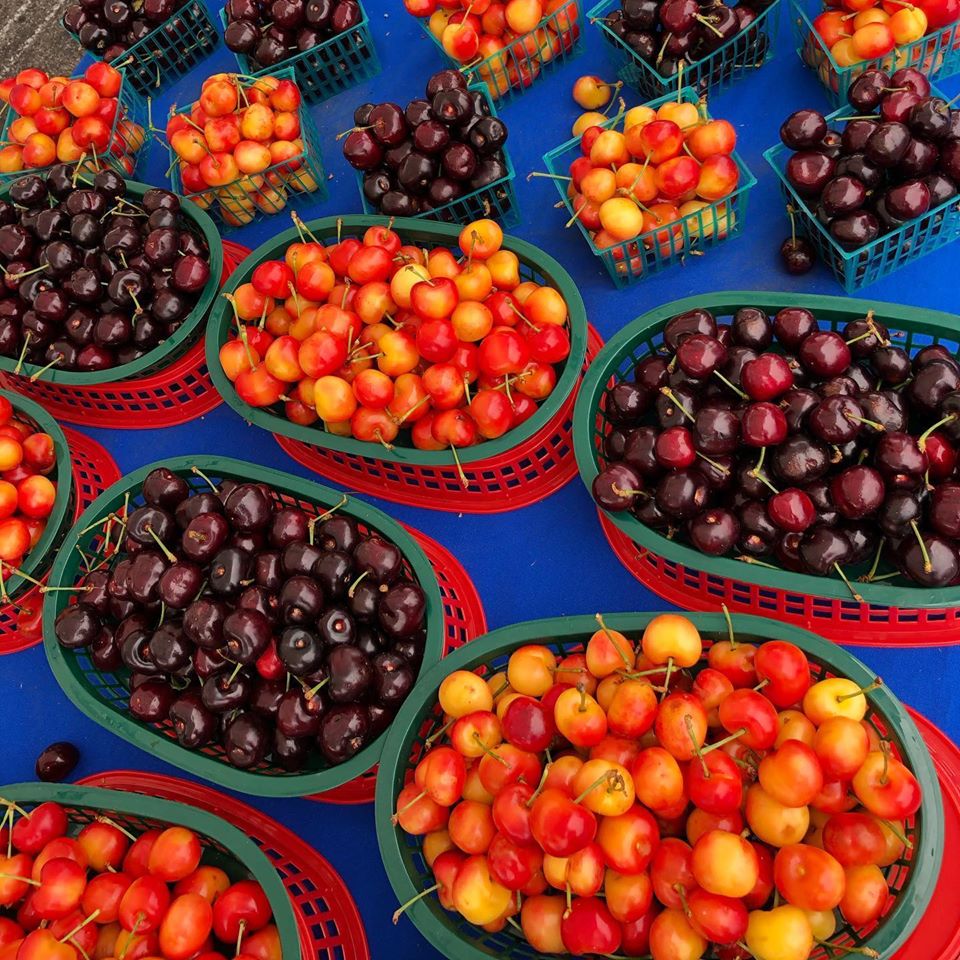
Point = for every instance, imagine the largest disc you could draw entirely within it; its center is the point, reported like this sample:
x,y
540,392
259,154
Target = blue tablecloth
x,y
548,559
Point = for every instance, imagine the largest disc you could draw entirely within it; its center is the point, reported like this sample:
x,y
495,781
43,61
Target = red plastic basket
x,y
464,619
179,392
93,471
938,935
523,475
328,919
843,621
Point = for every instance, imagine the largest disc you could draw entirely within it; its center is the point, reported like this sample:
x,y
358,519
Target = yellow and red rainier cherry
x,y
644,797
369,337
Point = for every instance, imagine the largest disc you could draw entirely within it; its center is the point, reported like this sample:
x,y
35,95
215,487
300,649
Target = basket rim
x,y
773,154
503,181
595,15
65,572
221,319
253,860
927,856
160,354
59,515
744,185
645,326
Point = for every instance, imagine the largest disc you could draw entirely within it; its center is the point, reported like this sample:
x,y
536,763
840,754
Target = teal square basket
x,y
647,254
739,57
330,67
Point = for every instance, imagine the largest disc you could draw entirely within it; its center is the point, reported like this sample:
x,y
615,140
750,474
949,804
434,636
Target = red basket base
x,y
93,471
328,919
180,392
843,621
937,937
517,478
464,620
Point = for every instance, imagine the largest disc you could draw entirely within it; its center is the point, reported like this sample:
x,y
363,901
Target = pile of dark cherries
x,y
440,148
245,624
268,32
109,27
772,439
91,279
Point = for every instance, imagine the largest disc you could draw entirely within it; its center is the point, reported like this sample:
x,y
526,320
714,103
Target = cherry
x,y
766,377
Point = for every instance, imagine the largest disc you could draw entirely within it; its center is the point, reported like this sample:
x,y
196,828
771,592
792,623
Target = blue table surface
x,y
545,560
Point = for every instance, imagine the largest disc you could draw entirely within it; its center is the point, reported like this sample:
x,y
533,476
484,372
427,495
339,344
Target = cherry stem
x,y
722,743
872,573
879,427
36,376
488,751
464,482
398,913
666,677
439,733
793,224
116,826
922,440
203,476
845,579
164,549
864,951
697,748
861,692
713,463
549,176
709,25
762,684
356,583
240,935
23,352
13,876
898,833
540,786
733,387
395,819
610,637
93,916
730,634
672,397
615,778
927,564
415,407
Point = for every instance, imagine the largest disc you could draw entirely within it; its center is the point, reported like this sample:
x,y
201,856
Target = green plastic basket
x,y
39,558
913,879
935,55
910,327
512,70
123,156
330,67
645,256
171,348
308,179
103,697
224,846
731,62
169,51
858,268
497,200
534,265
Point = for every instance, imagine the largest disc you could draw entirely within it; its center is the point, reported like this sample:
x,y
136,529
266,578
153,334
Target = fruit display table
x,y
546,560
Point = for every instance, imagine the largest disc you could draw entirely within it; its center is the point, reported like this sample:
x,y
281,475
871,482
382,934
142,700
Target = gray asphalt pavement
x,y
31,36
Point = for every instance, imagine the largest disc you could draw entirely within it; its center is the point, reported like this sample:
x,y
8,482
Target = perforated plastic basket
x,y
104,697
497,200
463,619
253,198
858,268
224,846
330,67
521,475
913,877
327,919
895,611
731,62
166,396
510,71
534,264
169,51
649,253
935,55
128,135
93,470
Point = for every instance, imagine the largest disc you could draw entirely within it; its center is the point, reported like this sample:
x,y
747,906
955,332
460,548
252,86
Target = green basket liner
x,y
169,51
311,167
913,877
630,260
224,846
171,348
910,327
937,54
854,269
497,200
567,20
330,67
534,265
131,107
38,559
104,697
740,56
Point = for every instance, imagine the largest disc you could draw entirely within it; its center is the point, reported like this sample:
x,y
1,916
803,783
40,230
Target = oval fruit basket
x,y
892,609
913,877
223,845
534,264
104,696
